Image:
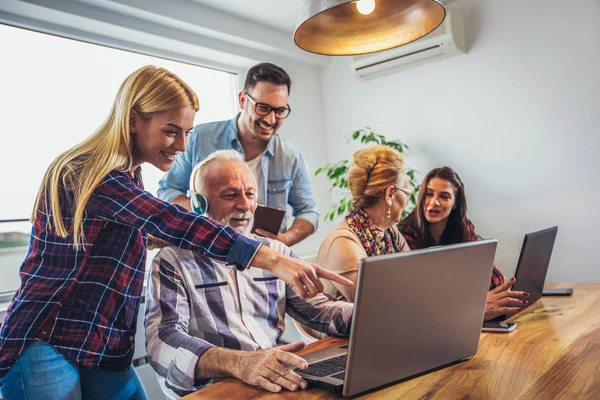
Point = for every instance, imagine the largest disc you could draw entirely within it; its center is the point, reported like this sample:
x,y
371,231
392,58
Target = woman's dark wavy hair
x,y
456,230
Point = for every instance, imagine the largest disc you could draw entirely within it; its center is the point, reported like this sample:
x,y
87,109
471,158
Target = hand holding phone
x,y
502,327
268,219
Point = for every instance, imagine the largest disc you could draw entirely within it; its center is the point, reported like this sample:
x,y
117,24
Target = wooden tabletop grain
x,y
553,354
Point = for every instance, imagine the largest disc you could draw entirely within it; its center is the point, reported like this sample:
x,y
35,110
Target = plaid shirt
x,y
85,302
194,303
415,242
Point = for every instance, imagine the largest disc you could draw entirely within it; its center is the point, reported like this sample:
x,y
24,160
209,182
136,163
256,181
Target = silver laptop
x,y
414,312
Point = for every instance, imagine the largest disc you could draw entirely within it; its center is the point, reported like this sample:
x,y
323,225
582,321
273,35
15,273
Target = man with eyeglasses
x,y
278,166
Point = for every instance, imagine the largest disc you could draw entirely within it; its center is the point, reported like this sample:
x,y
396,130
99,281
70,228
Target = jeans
x,y
42,373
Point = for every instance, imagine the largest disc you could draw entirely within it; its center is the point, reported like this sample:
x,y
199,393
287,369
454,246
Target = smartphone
x,y
268,219
498,326
557,292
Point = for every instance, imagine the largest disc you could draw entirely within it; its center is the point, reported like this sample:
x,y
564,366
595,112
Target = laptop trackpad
x,y
326,353
341,376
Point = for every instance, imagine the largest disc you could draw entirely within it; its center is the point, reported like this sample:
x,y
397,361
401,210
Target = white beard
x,y
242,230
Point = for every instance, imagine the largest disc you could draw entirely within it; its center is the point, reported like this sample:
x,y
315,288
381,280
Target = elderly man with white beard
x,y
203,324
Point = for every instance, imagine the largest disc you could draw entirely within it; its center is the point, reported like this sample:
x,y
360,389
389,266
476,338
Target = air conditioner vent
x,y
447,40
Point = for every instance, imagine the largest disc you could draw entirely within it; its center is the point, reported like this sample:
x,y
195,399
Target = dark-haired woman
x,y
440,218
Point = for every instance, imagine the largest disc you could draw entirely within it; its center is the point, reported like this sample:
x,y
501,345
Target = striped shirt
x,y
194,303
85,302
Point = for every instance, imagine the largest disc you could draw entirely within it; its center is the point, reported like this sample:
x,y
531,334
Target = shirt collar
x,y
232,132
137,177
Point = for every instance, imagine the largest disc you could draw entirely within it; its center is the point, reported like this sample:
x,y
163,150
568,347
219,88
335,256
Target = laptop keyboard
x,y
327,367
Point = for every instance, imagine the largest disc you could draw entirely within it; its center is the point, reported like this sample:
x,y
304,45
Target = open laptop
x,y
534,261
414,312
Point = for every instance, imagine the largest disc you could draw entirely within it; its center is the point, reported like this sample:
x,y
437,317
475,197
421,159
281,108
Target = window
x,y
54,93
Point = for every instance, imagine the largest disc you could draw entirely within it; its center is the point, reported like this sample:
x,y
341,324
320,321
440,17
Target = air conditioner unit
x,y
447,40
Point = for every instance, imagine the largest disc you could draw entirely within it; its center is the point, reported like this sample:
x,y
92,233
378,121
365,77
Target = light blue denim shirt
x,y
286,179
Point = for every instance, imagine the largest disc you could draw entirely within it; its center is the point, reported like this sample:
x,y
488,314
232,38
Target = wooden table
x,y
553,354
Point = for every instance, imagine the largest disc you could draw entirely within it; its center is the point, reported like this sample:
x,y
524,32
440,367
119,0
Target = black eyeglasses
x,y
263,109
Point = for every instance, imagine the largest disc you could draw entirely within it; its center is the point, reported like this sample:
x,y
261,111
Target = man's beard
x,y
242,230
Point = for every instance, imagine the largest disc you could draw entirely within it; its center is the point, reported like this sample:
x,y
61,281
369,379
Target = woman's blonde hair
x,y
373,169
75,174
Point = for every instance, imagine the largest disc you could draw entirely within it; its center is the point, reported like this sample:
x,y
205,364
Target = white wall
x,y
305,128
518,117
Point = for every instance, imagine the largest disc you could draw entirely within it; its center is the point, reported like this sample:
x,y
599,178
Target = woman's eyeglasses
x,y
405,191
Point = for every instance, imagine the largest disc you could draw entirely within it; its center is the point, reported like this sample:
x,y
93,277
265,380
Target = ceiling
x,y
279,14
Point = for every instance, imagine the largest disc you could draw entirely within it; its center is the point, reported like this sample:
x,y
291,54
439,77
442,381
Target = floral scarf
x,y
374,241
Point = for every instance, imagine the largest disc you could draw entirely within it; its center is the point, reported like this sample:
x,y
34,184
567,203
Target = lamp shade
x,y
336,27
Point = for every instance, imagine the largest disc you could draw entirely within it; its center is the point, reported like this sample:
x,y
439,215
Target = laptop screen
x,y
533,262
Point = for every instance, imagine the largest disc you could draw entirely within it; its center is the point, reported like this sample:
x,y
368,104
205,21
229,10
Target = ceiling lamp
x,y
344,28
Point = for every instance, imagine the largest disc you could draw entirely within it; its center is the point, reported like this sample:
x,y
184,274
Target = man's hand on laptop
x,y
271,369
303,277
503,301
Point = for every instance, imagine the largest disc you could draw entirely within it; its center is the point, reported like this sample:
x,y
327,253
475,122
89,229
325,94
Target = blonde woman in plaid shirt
x,y
69,331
